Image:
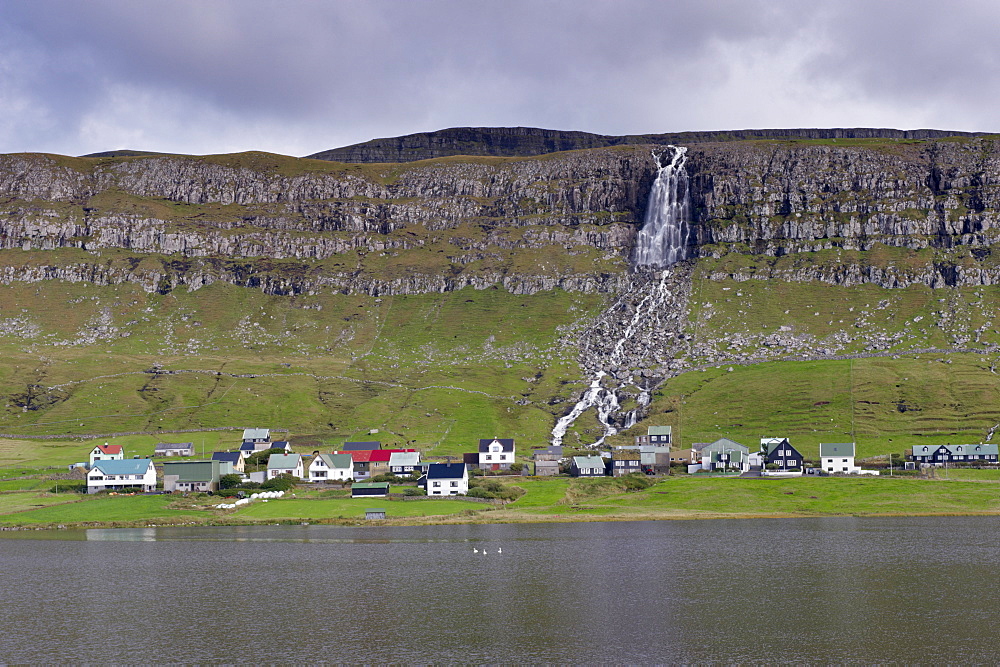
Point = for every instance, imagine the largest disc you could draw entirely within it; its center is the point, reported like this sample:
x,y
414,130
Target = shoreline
x,y
449,520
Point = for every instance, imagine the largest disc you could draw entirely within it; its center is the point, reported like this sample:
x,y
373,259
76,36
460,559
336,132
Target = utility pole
x,y
851,380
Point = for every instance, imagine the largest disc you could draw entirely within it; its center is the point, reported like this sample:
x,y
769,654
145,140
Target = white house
x,y
404,463
447,479
838,457
496,453
122,475
106,452
331,467
280,464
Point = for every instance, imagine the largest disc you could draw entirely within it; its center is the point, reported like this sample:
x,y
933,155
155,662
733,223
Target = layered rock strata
x,y
197,216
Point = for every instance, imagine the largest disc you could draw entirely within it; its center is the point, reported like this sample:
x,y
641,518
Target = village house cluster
x,y
358,462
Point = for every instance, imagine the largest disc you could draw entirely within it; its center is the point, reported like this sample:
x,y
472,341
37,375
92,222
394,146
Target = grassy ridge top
x,y
511,141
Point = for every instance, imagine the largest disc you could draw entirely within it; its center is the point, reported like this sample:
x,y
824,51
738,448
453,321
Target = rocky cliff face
x,y
455,223
527,224
780,199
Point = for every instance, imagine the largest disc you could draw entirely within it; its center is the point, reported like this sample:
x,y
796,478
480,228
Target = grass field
x,y
545,499
349,508
696,496
99,509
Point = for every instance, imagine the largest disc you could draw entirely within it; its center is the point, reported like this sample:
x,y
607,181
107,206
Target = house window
x,y
437,484
454,483
845,468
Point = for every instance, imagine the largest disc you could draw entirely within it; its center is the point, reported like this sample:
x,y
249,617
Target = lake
x,y
764,590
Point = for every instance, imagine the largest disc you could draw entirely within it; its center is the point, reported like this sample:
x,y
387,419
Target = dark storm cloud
x,y
296,77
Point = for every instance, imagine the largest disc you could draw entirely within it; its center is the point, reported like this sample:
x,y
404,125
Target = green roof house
x,y
331,467
285,464
588,466
837,458
725,454
370,490
656,435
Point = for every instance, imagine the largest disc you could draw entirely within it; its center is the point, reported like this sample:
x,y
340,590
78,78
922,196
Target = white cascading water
x,y
661,242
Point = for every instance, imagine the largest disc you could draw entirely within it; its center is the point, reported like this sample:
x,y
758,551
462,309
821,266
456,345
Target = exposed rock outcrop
x,y
261,207
450,223
781,199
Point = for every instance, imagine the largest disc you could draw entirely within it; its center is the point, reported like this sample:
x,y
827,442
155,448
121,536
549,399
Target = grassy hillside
x,y
438,371
763,348
885,405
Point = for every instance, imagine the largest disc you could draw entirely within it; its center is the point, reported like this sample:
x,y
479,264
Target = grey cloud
x,y
299,77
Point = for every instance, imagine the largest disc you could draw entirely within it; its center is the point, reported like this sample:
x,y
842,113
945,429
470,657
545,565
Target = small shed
x,y
545,468
174,449
375,513
370,490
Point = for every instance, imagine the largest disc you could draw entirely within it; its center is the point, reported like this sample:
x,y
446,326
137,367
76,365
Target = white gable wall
x,y
448,487
496,456
98,481
319,471
841,464
97,455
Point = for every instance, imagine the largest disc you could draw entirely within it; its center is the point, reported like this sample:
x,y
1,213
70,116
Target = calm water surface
x,y
918,590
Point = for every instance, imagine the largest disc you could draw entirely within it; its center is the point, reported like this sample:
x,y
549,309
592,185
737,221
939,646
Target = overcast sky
x,y
297,77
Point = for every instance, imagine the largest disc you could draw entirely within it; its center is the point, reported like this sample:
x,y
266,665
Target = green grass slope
x,y
437,371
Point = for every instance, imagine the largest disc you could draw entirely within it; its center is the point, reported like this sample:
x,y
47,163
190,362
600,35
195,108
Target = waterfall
x,y
662,241
649,299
